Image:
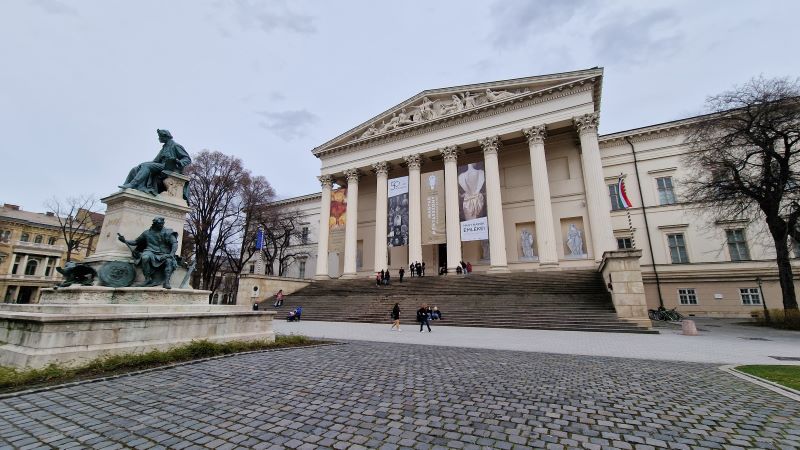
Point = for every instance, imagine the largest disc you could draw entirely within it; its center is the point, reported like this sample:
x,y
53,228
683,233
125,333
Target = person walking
x,y
469,267
402,272
423,268
418,267
411,269
279,299
423,318
396,317
378,280
388,278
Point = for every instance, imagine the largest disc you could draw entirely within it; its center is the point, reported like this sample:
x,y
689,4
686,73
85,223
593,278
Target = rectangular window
x,y
666,194
677,248
687,296
750,296
302,271
616,201
737,245
252,268
5,235
304,236
624,242
16,264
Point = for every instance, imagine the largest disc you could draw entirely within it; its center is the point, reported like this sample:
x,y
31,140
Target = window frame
x,y
688,299
753,291
667,193
624,238
616,200
739,244
24,237
35,264
685,248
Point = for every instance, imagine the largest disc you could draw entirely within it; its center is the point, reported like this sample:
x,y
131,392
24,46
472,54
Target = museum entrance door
x,y
442,260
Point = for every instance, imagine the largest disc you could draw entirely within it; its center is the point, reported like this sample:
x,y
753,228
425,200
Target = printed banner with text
x,y
472,202
397,212
338,220
434,226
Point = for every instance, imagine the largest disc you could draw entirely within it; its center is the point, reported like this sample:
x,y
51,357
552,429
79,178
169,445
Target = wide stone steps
x,y
567,300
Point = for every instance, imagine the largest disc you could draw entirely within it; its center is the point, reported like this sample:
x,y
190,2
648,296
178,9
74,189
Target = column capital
x,y
587,123
535,134
326,181
380,168
413,161
490,145
352,176
449,153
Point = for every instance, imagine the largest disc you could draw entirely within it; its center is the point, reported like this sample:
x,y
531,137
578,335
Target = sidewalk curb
x,y
774,387
154,369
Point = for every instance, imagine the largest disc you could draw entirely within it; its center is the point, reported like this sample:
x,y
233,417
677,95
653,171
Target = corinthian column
x,y
545,233
494,205
450,155
351,226
324,220
414,211
381,214
597,200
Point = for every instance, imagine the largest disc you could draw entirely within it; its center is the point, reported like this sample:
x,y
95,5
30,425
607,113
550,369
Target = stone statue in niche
x,y
575,241
526,240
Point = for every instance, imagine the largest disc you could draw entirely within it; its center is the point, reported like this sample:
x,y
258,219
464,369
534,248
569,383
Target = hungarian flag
x,y
623,194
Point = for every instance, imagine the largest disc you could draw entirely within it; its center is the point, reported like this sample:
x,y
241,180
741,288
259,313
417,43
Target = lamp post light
x,y
763,301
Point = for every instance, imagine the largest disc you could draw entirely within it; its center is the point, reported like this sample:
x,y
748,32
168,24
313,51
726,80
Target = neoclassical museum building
x,y
513,176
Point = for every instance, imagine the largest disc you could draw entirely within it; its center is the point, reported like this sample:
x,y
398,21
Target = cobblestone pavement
x,y
367,394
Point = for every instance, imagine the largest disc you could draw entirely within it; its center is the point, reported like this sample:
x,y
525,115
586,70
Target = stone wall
x,y
621,271
256,288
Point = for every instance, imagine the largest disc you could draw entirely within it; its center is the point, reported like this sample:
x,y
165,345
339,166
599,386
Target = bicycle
x,y
665,315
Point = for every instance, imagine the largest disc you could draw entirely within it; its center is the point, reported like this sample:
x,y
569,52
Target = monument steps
x,y
565,300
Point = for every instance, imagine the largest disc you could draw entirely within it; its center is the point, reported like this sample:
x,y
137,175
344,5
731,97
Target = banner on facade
x,y
434,229
397,233
338,220
472,202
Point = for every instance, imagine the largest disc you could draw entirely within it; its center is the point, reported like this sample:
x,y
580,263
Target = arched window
x,y
25,237
38,239
30,268
51,240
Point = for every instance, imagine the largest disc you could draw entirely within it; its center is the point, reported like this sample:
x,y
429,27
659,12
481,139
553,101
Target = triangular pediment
x,y
441,104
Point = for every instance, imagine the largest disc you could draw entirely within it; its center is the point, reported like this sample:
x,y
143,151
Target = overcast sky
x,y
84,84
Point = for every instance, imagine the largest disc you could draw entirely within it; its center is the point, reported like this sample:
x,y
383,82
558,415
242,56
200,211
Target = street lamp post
x,y
763,301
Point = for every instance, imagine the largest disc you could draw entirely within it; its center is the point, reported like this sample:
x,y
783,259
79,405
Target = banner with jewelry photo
x,y
338,219
397,233
434,228
472,202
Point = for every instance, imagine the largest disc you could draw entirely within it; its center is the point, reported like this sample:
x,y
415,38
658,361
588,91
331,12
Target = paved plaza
x,y
384,395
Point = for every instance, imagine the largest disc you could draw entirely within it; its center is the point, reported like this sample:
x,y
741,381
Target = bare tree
x,y
744,162
222,196
74,215
283,237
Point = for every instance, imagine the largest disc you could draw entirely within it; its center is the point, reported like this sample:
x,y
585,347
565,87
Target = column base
x,y
498,269
322,277
550,266
348,276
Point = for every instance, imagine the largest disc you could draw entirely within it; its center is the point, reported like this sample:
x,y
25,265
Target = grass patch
x,y
12,379
779,318
788,376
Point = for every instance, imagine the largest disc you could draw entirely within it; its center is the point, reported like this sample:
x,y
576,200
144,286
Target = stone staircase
x,y
567,300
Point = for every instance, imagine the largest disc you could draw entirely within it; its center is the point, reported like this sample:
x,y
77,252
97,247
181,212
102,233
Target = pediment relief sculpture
x,y
430,108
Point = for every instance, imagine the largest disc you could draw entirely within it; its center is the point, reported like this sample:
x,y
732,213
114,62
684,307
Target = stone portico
x,y
537,141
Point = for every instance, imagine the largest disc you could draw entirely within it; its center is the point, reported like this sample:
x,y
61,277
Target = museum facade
x,y
513,176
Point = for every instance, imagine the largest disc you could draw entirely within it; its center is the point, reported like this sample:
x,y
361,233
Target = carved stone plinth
x,y
96,295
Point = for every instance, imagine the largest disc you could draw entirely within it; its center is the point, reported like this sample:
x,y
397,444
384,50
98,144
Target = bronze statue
x,y
154,252
76,273
148,176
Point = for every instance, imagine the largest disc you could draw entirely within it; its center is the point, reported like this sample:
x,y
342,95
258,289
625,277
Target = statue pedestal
x,y
129,212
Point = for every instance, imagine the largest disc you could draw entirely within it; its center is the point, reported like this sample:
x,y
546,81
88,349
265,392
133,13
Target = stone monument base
x,y
36,335
95,295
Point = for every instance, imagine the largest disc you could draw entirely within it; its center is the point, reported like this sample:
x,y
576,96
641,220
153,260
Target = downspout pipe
x,y
646,225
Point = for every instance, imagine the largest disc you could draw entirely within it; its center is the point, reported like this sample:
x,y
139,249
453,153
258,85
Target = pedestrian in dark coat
x,y
396,317
423,268
423,318
402,272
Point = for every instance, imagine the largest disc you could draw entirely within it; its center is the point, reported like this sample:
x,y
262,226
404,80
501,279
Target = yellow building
x,y
31,247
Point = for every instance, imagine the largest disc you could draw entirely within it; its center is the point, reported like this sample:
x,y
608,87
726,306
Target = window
x,y
17,259
25,237
30,268
252,268
750,296
51,240
737,245
48,269
38,239
302,270
677,248
616,201
666,195
304,236
624,242
796,248
687,296
5,235
9,298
